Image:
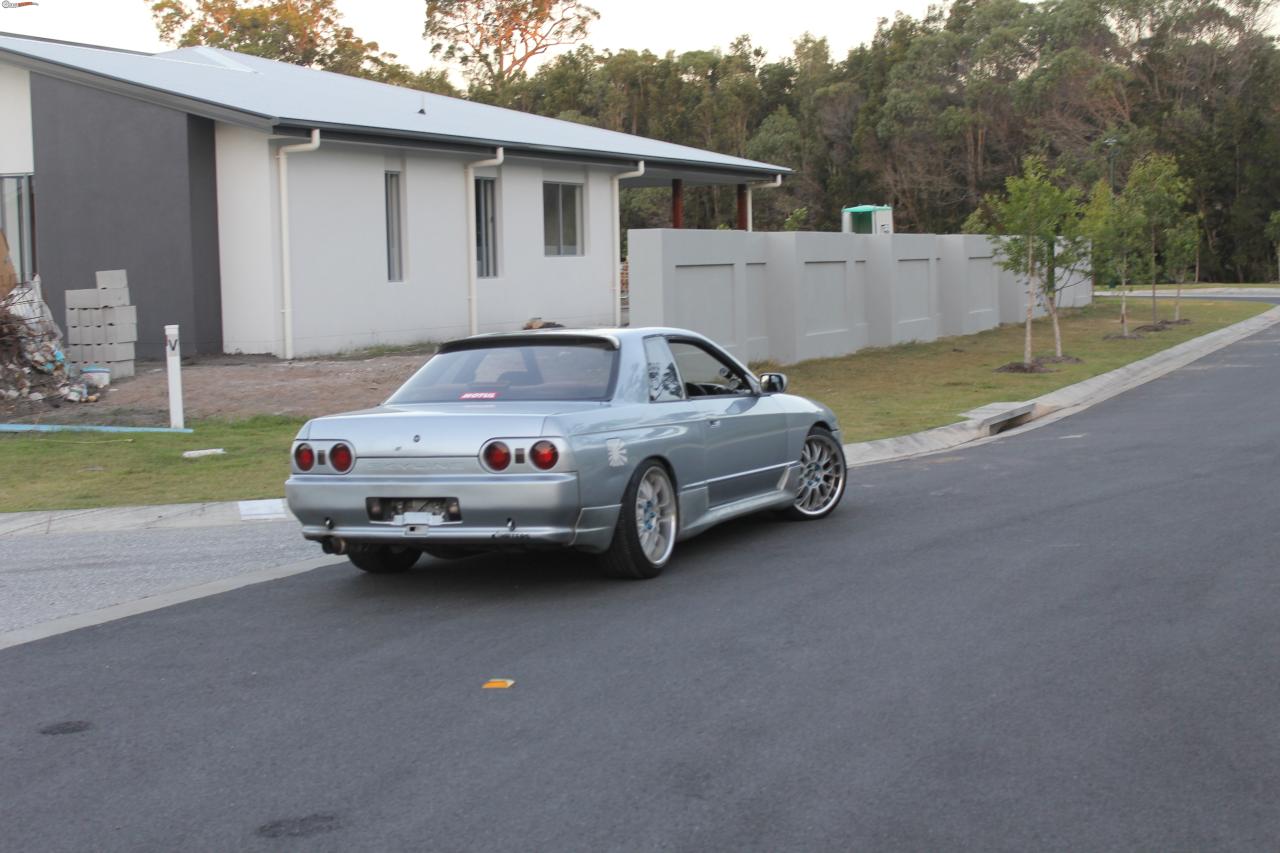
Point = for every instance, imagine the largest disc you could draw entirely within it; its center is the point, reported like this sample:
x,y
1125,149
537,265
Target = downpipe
x,y
751,188
469,173
617,238
286,262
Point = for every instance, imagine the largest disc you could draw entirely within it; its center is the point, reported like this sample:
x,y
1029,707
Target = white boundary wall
x,y
791,296
972,287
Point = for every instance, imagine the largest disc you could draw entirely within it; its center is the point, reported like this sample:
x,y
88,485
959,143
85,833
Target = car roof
x,y
613,336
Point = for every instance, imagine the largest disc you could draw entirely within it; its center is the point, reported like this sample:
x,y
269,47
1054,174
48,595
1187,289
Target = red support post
x,y
743,225
677,203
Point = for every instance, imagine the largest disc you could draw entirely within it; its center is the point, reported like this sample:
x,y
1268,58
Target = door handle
x,y
713,422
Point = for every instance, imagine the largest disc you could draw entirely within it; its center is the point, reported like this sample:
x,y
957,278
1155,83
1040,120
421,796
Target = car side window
x,y
706,375
664,380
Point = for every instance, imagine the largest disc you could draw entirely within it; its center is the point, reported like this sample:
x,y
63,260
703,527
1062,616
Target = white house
x,y
269,208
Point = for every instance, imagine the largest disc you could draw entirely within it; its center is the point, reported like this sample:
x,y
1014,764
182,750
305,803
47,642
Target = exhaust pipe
x,y
334,545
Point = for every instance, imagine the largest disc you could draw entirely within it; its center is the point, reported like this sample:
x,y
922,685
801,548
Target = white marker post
x,y
173,360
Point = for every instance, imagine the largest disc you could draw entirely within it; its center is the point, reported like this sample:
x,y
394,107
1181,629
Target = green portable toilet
x,y
867,219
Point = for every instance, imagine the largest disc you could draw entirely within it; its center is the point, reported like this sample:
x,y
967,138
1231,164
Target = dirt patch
x,y
1059,359
236,387
1022,367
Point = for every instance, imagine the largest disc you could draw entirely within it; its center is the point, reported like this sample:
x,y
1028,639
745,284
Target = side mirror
x,y
773,383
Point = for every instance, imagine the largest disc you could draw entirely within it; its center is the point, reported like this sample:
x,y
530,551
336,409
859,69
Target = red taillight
x,y
544,455
340,458
497,456
304,457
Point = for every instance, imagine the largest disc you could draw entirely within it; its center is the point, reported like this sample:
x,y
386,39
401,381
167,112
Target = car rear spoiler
x,y
547,337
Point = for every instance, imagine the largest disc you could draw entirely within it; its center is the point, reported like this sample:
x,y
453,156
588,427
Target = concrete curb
x,y
994,418
1196,293
978,424
166,517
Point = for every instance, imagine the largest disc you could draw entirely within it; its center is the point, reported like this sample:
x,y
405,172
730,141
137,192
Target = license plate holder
x,y
429,519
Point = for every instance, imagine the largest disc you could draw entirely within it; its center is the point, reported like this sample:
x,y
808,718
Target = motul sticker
x,y
479,395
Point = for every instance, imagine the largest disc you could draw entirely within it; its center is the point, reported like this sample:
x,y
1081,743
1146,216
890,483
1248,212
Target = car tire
x,y
823,476
383,559
648,522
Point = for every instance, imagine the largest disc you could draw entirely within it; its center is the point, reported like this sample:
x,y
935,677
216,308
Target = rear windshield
x,y
526,371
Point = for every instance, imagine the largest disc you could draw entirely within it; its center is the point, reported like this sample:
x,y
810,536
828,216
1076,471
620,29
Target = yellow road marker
x,y
498,684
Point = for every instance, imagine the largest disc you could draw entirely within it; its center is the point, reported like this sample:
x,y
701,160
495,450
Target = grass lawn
x,y
75,470
882,392
875,392
1146,288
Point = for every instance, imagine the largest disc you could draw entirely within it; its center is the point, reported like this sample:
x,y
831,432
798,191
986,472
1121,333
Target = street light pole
x,y
1110,142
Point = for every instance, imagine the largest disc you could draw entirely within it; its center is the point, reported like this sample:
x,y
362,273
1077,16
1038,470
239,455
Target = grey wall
x,y
792,296
121,184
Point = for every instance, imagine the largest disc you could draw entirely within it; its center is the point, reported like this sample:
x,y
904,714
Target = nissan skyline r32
x,y
618,442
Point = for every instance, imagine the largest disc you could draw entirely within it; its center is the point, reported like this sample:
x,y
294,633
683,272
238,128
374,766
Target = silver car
x,y
618,442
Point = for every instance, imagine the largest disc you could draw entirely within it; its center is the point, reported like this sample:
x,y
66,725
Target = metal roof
x,y
277,96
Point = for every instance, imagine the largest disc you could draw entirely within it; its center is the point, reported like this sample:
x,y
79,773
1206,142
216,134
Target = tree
x,y
1273,236
494,40
1182,244
936,112
1116,231
1031,216
1068,261
1156,188
301,32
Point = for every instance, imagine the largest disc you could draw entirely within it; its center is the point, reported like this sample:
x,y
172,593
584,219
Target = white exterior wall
x,y
337,209
968,284
788,297
342,298
713,280
248,241
902,296
1076,291
1013,299
16,151
573,290
817,295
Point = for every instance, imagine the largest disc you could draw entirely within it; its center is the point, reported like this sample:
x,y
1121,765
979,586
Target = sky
x,y
396,25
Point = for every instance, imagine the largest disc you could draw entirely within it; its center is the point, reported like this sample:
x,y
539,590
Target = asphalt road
x,y
1065,639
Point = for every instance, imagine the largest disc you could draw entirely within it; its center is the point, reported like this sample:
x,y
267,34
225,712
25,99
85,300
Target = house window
x,y
15,222
395,242
486,228
562,218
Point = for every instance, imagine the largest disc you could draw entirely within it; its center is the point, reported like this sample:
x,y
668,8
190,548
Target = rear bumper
x,y
498,511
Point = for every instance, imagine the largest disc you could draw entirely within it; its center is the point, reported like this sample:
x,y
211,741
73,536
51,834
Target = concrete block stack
x,y
102,327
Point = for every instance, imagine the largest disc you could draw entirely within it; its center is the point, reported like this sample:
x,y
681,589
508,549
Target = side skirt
x,y
696,516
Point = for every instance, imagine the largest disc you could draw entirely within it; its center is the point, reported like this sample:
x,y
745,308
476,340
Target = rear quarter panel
x,y
609,444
